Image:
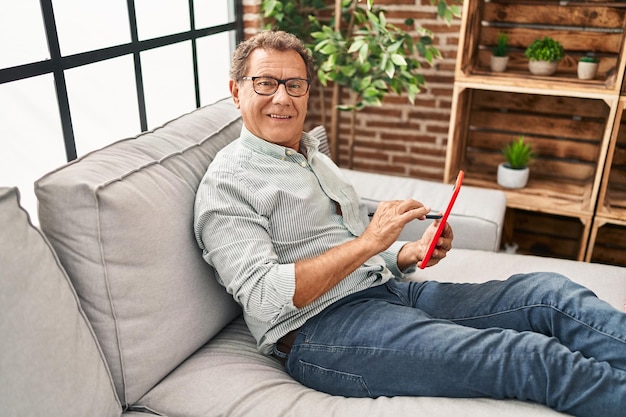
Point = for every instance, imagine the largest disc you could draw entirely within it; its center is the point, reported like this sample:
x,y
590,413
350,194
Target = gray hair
x,y
277,40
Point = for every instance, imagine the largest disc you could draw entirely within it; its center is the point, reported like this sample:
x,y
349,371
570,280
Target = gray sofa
x,y
108,309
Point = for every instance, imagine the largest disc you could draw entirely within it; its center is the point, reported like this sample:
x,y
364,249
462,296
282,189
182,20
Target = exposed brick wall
x,y
397,138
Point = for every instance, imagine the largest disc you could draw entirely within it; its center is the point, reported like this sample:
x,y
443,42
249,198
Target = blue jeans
x,y
537,337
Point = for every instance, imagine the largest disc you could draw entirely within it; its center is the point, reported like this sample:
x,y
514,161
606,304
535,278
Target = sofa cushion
x,y
121,221
246,383
50,362
608,282
477,216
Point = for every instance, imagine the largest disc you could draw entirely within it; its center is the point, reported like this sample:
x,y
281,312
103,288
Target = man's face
x,y
278,118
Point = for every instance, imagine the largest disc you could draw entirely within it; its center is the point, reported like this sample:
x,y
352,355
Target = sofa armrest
x,y
476,218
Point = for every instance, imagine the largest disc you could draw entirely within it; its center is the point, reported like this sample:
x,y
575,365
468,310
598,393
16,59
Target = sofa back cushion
x,y
50,362
121,221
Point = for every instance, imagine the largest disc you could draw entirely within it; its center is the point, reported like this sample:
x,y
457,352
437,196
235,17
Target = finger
x,y
412,207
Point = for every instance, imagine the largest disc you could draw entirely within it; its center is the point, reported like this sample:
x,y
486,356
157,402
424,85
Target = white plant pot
x,y
587,70
512,178
542,67
498,63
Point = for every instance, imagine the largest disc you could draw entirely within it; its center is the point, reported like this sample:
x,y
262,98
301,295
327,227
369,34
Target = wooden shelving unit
x,y
607,243
571,124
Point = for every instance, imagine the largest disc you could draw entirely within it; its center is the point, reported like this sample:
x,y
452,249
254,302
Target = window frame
x,y
58,64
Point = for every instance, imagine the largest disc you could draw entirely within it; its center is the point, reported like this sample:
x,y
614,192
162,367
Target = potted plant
x,y
500,54
360,51
544,55
587,67
514,172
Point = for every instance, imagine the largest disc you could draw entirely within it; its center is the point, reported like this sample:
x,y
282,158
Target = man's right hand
x,y
390,218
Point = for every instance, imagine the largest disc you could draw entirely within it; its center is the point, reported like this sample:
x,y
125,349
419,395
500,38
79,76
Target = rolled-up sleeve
x,y
235,238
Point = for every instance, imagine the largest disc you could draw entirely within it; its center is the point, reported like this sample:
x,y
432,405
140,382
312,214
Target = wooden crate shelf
x,y
613,193
607,243
577,128
569,136
546,234
582,27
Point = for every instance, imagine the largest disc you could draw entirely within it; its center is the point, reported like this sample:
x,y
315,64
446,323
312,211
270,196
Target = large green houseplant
x,y
360,51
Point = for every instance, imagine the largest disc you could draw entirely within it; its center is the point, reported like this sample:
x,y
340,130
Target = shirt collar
x,y
307,142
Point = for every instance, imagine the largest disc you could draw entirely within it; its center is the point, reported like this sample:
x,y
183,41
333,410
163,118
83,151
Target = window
x,y
77,75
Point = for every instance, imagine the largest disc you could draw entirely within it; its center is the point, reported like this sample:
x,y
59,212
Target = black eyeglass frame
x,y
279,82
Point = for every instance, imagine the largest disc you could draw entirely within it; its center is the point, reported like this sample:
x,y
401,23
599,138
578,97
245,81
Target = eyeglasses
x,y
266,86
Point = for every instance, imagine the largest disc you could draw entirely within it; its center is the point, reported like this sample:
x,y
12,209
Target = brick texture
x,y
397,138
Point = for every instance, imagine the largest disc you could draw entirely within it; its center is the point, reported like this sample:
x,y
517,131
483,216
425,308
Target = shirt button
x,y
289,152
303,164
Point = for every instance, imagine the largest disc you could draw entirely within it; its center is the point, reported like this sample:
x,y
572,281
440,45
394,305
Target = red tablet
x,y
444,219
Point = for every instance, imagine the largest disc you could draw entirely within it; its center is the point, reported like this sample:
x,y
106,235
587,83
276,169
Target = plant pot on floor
x,y
512,178
542,67
498,63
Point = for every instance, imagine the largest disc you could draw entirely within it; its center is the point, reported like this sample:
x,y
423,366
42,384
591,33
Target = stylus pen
x,y
428,216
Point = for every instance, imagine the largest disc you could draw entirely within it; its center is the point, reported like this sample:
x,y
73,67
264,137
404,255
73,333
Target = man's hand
x,y
413,252
389,220
315,276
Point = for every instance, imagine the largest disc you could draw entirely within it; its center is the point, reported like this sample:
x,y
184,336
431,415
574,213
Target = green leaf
x,y
370,92
380,84
382,19
383,61
365,83
395,46
363,52
347,70
356,45
442,8
390,69
328,49
398,59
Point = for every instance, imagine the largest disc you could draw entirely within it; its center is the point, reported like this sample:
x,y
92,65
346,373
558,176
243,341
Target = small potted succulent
x,y
587,67
544,56
500,53
514,172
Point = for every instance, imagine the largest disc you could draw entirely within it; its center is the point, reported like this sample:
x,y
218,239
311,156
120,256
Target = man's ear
x,y
234,91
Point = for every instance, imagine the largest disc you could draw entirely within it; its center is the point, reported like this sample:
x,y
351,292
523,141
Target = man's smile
x,y
279,116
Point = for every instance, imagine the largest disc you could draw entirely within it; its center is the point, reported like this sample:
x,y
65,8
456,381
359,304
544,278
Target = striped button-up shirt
x,y
262,207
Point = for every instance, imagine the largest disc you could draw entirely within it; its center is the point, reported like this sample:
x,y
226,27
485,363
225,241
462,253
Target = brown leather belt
x,y
284,344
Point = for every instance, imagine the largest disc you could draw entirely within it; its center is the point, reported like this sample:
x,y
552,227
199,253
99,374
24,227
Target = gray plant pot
x,y
512,178
542,67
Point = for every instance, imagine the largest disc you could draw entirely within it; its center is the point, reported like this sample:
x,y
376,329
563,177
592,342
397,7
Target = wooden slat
x,y
538,124
545,168
573,42
614,203
543,195
547,147
554,105
619,158
545,13
547,235
610,245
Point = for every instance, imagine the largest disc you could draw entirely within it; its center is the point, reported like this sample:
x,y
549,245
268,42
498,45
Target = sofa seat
x,y
252,384
228,377
608,282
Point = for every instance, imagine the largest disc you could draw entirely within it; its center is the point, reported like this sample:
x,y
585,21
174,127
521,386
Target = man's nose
x,y
281,93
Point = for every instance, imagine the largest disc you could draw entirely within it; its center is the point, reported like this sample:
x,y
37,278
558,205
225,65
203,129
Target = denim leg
x,y
376,343
546,303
